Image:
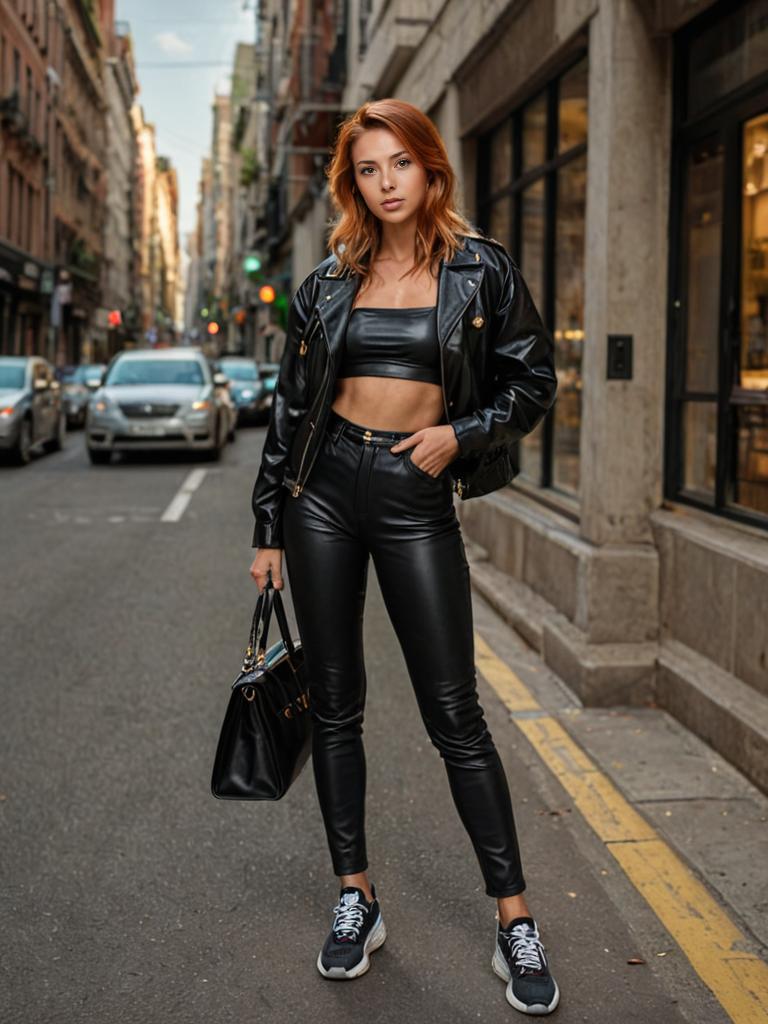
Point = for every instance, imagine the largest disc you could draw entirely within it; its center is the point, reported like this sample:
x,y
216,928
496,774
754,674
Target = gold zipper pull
x,y
302,347
459,487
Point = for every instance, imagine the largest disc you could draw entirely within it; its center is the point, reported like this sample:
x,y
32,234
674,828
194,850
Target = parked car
x,y
268,373
245,386
78,383
160,400
32,416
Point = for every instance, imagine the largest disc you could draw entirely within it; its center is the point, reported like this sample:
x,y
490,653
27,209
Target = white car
x,y
31,411
160,399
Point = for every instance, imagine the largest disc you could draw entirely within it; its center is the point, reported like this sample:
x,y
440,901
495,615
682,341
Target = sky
x,y
171,40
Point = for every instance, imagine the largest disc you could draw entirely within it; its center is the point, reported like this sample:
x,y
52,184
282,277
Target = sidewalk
x,y
677,821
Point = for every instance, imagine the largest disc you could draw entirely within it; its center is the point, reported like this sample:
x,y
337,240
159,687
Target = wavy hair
x,y
356,233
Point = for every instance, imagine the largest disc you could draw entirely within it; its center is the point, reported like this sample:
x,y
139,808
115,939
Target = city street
x,y
130,894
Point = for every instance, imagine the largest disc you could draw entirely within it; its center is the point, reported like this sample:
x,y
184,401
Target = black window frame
x,y
514,190
724,118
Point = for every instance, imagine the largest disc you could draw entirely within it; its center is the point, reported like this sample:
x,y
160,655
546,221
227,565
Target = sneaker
x,y
519,959
358,929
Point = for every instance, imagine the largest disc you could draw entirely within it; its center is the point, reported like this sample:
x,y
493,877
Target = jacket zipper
x,y
304,345
460,486
298,485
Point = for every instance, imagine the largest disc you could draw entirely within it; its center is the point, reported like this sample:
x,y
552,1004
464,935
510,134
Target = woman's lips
x,y
391,204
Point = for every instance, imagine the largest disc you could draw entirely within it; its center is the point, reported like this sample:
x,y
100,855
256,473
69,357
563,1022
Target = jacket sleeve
x,y
521,364
289,404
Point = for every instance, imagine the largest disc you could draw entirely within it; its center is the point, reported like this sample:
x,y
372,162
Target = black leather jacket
x,y
497,365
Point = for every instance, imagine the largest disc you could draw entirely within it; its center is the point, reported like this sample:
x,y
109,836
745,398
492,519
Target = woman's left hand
x,y
437,446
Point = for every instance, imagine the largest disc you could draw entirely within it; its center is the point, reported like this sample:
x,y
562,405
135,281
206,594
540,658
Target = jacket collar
x,y
458,280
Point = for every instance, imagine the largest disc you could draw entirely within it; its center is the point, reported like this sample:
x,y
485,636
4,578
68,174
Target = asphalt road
x,y
128,893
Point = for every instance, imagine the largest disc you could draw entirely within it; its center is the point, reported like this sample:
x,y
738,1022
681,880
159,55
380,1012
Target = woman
x,y
414,356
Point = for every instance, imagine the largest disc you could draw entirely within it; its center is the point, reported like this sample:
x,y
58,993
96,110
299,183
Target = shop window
x,y
532,196
717,410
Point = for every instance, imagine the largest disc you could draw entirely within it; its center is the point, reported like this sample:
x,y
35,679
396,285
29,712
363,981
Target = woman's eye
x,y
402,160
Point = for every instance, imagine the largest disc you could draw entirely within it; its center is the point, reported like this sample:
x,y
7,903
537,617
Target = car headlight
x,y
202,405
246,393
8,410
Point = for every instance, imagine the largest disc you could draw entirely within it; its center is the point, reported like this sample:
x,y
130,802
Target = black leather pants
x,y
362,500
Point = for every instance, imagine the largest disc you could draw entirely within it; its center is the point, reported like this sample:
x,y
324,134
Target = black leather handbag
x,y
266,736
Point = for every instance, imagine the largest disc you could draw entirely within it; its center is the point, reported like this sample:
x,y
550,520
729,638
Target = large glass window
x,y
532,199
717,423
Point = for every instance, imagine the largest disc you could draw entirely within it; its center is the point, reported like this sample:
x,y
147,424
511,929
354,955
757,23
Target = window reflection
x,y
542,222
572,120
569,321
749,487
700,449
532,243
535,133
703,231
500,221
501,156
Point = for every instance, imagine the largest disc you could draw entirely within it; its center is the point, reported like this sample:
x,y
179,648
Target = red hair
x,y
356,232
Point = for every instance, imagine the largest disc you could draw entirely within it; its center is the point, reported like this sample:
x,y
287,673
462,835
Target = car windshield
x,y
12,375
240,371
155,371
81,374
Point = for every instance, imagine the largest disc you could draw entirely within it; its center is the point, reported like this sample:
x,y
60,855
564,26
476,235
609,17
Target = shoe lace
x,y
526,948
348,921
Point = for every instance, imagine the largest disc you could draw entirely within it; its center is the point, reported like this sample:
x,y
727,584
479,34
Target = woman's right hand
x,y
265,559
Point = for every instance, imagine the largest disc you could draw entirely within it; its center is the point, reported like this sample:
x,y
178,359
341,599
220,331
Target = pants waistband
x,y
338,425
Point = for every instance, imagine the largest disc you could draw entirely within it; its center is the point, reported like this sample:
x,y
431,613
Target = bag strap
x,y
269,598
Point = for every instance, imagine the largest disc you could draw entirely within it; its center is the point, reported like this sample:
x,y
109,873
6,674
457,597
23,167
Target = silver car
x,y
31,411
159,399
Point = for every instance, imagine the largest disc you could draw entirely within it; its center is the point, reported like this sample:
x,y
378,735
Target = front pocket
x,y
417,469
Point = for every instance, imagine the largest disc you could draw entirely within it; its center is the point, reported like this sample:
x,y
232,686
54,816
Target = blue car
x,y
246,387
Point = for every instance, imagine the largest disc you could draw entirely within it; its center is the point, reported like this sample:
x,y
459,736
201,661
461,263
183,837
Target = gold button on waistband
x,y
478,321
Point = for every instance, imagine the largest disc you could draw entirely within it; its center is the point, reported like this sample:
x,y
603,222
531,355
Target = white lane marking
x,y
181,499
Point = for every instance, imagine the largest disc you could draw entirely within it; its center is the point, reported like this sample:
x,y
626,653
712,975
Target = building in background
x,y
82,262
32,58
121,264
170,285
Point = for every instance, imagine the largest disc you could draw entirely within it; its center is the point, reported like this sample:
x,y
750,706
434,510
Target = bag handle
x,y
269,598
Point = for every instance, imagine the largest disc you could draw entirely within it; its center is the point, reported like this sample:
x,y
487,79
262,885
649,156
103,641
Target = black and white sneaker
x,y
520,959
358,929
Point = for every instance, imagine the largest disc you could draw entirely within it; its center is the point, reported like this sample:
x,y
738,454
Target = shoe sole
x,y
375,938
500,967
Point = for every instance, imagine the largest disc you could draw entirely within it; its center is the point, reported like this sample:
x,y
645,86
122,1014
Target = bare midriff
x,y
389,403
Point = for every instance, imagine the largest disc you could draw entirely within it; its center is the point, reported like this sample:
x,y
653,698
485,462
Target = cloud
x,y
171,43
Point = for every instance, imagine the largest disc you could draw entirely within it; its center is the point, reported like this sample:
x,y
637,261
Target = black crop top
x,y
392,342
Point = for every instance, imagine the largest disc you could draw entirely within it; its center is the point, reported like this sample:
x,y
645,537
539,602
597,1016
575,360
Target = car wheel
x,y
99,457
232,435
22,450
56,443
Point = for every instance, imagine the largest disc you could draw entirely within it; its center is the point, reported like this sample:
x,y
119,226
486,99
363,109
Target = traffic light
x,y
267,293
252,263
213,327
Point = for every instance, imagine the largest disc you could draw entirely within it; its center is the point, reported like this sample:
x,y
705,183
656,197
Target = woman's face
x,y
385,170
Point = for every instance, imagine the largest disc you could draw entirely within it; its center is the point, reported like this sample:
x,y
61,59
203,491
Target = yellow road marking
x,y
712,943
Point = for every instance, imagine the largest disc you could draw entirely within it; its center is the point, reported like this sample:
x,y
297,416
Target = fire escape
x,y
305,109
